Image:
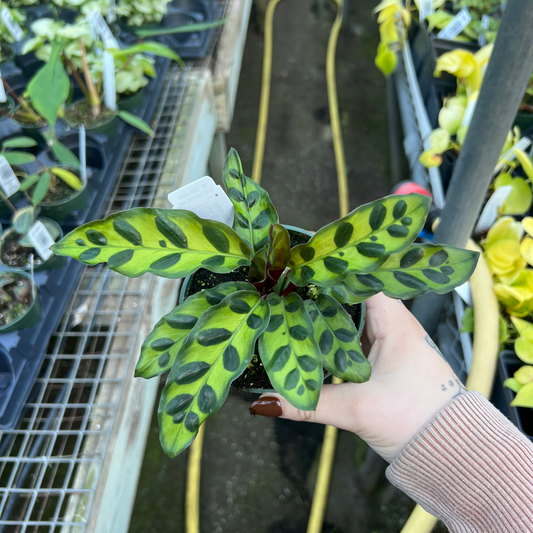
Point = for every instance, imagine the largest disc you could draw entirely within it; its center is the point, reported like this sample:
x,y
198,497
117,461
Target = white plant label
x,y
102,29
482,40
3,97
83,152
41,240
204,198
456,26
522,144
426,8
464,292
110,95
8,181
12,27
489,214
469,111
111,12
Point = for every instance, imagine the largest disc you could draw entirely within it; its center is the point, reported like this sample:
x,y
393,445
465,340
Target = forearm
x,y
471,468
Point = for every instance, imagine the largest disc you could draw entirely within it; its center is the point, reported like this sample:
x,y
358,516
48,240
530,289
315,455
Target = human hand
x,y
410,383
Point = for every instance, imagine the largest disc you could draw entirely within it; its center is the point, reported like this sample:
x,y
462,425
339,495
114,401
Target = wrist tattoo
x,y
454,384
431,344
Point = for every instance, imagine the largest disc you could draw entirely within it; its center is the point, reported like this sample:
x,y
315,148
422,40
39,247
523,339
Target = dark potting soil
x,y
15,297
81,113
254,375
6,108
57,192
17,256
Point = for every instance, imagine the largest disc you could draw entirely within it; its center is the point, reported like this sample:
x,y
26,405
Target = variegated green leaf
x,y
280,250
254,212
160,348
290,353
420,269
360,242
217,351
338,340
171,243
258,269
342,294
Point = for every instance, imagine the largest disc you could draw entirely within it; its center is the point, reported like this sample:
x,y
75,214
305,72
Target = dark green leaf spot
x,y
307,253
307,363
120,258
298,332
280,358
178,403
127,231
313,314
399,209
335,265
368,280
275,323
215,261
407,221
178,419
192,422
373,238
163,244
235,194
171,231
239,306
329,311
163,359
371,249
438,258
325,342
91,253
409,281
292,307
340,360
231,359
397,231
241,220
81,242
377,216
345,335
207,399
436,276
254,321
301,390
311,384
261,220
166,262
245,250
96,237
343,234
213,297
447,270
251,198
291,379
216,237
212,336
307,273
411,257
182,321
191,372
160,345
355,356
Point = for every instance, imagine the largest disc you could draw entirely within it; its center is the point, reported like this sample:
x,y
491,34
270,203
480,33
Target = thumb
x,y
335,405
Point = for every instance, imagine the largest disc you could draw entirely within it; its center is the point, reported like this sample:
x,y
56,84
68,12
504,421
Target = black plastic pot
x,y
30,318
186,284
53,263
132,102
524,121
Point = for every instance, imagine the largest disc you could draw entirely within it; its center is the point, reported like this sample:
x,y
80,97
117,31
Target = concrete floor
x,y
258,474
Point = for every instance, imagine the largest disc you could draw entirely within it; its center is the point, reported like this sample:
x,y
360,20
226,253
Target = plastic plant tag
x,y
464,292
110,96
3,97
489,215
204,198
41,240
83,153
469,111
102,29
14,29
482,39
522,144
426,8
111,12
456,26
8,181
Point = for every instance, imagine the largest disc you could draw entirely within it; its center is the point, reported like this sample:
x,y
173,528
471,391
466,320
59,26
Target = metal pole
x,y
503,87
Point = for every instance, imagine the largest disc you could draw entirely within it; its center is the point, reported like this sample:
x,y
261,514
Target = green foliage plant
x,y
291,305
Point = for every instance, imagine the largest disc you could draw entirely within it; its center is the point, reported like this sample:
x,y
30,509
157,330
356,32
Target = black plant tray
x,y
522,417
26,348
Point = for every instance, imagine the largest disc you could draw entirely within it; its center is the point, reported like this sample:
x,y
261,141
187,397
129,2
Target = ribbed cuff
x,y
471,468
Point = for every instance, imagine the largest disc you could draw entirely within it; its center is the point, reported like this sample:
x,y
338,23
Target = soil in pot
x,y
57,192
6,53
255,376
81,113
15,297
16,256
6,108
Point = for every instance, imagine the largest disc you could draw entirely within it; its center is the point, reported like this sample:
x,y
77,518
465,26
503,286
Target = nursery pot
x,y
301,236
7,54
61,209
33,313
133,101
106,125
30,129
524,121
53,263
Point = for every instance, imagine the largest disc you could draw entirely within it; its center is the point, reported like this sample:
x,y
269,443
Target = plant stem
x,y
25,105
94,100
7,202
77,76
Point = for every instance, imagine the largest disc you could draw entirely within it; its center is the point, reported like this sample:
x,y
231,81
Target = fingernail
x,y
267,406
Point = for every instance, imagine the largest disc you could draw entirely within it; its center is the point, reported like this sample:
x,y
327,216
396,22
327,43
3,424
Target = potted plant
x,y
57,190
20,306
141,12
282,297
16,247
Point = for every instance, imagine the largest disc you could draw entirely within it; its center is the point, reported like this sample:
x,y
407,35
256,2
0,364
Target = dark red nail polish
x,y
267,406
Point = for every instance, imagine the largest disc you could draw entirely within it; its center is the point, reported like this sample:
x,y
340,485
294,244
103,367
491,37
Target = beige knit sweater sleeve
x,y
471,468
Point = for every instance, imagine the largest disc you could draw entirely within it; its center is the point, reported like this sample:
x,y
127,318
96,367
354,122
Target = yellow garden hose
x,y
484,359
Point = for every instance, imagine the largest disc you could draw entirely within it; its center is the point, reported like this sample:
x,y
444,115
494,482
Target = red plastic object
x,y
409,187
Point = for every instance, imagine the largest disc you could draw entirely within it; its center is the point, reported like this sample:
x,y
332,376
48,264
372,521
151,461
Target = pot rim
x,y
35,296
188,280
68,199
101,124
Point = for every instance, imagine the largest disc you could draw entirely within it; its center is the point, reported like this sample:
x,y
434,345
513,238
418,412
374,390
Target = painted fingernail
x,y
267,406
